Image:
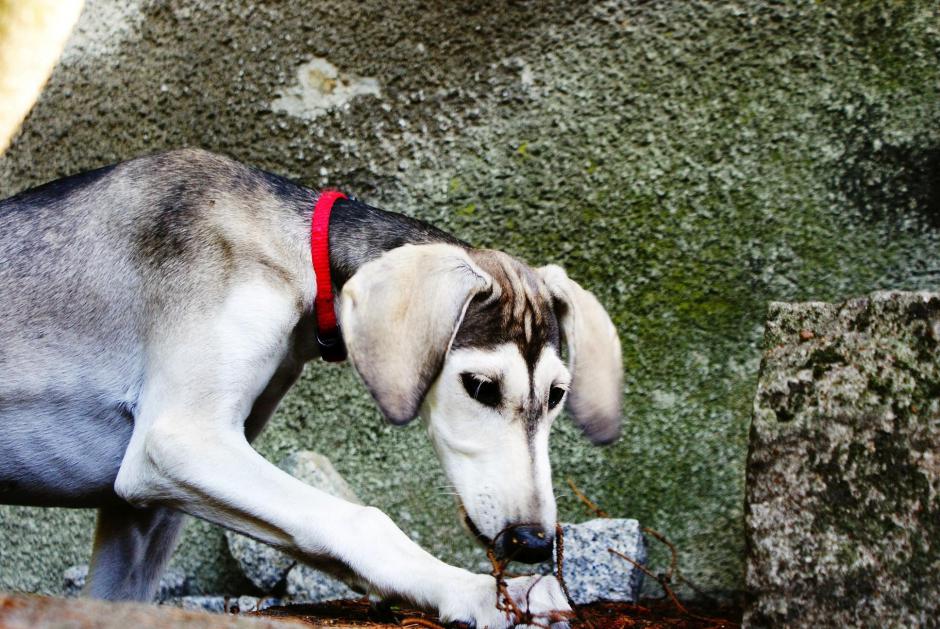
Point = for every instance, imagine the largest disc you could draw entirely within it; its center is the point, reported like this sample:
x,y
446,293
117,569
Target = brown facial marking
x,y
519,310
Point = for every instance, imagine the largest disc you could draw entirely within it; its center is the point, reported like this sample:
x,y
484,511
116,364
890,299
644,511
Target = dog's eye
x,y
555,396
480,389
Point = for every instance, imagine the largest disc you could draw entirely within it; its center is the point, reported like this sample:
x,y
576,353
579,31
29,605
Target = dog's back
x,y
90,267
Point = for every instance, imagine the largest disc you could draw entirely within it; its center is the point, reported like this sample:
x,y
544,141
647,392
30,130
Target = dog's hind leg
x,y
132,547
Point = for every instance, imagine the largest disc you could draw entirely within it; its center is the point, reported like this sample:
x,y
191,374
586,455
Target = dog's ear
x,y
399,314
593,357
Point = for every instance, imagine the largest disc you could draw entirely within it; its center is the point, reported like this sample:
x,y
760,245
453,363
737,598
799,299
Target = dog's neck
x,y
360,233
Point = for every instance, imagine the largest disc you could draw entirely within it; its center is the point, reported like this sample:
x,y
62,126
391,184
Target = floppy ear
x,y
593,356
399,314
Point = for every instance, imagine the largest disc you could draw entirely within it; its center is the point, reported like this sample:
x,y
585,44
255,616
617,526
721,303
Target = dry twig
x,y
662,582
674,565
505,602
587,501
674,554
414,621
664,579
560,563
672,595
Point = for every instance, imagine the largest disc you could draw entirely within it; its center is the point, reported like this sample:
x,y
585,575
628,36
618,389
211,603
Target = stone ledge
x,y
843,472
27,611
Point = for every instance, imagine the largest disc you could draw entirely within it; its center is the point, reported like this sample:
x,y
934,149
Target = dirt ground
x,y
647,615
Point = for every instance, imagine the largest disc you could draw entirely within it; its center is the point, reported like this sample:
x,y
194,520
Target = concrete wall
x,y
687,161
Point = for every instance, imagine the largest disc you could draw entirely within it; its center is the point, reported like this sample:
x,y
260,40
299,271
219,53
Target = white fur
x,y
392,341
501,474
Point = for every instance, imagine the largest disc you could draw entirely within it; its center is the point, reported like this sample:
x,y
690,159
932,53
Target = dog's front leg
x,y
219,477
188,451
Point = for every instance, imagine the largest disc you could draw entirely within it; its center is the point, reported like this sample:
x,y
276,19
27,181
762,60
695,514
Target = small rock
x,y
269,601
263,565
219,604
591,572
214,604
173,583
73,580
245,603
307,585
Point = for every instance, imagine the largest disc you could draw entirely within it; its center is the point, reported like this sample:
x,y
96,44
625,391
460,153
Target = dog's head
x,y
473,341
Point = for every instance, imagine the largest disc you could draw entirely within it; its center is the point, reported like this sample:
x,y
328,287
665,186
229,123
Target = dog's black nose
x,y
528,543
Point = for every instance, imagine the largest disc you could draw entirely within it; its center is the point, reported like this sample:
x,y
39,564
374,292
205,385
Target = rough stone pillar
x,y
843,472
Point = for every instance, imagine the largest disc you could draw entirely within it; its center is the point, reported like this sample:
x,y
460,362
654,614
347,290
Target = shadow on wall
x,y
208,76
896,183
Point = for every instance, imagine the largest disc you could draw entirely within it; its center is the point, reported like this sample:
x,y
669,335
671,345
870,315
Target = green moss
x,y
468,210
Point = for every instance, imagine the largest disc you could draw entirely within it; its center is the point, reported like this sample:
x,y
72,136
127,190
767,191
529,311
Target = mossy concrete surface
x,y
687,161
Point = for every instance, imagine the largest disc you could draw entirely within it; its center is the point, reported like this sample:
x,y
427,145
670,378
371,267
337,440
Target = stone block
x,y
173,583
307,585
218,604
263,565
213,604
592,573
843,472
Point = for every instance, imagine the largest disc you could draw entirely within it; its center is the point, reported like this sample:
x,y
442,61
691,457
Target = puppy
x,y
154,312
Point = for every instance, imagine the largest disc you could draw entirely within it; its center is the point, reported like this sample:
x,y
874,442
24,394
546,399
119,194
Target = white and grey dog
x,y
153,313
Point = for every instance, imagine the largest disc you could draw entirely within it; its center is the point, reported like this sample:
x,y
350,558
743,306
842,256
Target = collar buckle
x,y
331,344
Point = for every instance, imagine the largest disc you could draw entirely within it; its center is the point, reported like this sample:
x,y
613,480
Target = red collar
x,y
329,338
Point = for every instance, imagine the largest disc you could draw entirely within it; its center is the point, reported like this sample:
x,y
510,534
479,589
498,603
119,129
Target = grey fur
x,y
91,269
132,547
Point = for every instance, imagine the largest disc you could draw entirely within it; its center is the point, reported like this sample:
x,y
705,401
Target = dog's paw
x,y
541,601
535,600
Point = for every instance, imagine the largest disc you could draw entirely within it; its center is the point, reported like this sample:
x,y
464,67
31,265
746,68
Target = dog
x,y
154,312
